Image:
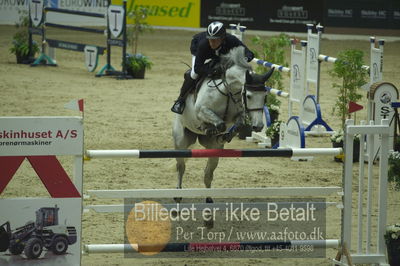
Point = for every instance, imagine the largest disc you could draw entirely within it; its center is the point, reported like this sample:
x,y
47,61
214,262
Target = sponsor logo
x,y
340,13
78,3
230,9
396,14
292,12
385,97
155,10
313,55
296,72
380,14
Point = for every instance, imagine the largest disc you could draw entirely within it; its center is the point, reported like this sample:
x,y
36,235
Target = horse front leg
x,y
208,117
212,164
180,170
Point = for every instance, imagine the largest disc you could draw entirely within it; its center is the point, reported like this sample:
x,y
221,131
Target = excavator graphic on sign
x,y
33,236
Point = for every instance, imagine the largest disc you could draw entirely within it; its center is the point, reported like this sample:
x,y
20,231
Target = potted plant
x,y
245,129
394,169
396,143
136,63
273,105
273,50
273,132
392,239
337,140
349,69
20,41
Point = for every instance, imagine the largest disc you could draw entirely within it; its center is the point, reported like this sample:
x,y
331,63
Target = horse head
x,y
239,77
254,97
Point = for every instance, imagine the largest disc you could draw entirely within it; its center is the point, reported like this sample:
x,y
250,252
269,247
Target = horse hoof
x,y
221,127
178,200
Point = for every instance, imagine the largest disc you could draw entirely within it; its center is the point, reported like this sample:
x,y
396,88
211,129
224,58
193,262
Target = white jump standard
x,y
116,26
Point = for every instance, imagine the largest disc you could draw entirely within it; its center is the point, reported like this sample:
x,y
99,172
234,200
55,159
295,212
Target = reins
x,y
229,95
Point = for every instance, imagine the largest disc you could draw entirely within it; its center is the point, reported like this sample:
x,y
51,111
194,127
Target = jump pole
x,y
206,153
217,192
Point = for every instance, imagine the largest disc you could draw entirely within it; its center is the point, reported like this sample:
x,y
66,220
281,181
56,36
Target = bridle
x,y
231,96
255,87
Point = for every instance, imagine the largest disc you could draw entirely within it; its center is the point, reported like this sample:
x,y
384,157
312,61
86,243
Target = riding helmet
x,y
216,30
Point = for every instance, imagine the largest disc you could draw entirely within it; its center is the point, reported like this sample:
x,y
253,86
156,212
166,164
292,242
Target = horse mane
x,y
235,57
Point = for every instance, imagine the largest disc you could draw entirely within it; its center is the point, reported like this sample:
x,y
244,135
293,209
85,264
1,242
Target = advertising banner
x,y
363,14
37,230
41,136
243,12
174,13
287,15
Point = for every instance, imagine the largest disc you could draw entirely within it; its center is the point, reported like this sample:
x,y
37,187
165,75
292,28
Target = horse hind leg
x,y
183,138
212,163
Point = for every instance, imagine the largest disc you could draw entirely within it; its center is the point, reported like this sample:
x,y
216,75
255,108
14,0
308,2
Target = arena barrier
x,y
116,26
363,254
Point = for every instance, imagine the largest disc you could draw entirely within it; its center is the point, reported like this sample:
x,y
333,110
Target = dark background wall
x,y
291,15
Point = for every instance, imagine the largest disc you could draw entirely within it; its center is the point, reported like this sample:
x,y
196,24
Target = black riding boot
x,y
188,85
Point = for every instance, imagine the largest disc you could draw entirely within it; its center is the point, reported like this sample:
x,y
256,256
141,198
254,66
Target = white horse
x,y
219,105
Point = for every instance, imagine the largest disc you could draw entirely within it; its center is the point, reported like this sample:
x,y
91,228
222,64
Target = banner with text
x,y
174,13
227,228
286,15
378,14
41,136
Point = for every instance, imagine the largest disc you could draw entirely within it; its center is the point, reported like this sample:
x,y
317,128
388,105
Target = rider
x,y
207,45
